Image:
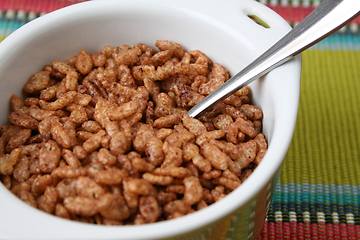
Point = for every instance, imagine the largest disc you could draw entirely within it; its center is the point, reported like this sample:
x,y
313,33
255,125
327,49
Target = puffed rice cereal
x,y
104,138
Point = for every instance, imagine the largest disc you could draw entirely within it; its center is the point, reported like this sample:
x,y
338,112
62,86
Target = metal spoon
x,y
328,17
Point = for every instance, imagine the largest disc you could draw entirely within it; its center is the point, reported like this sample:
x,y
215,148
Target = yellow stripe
x,y
326,143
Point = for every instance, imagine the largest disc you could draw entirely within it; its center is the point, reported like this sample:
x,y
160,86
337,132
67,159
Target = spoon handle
x,y
328,17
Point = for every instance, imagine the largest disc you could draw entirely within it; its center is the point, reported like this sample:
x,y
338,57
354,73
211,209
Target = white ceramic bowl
x,y
222,30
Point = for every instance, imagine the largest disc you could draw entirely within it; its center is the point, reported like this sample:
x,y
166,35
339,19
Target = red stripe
x,y
297,14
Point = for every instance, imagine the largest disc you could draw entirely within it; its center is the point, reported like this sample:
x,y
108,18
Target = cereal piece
x,y
193,190
149,208
98,59
142,96
37,82
18,140
66,188
234,167
91,126
177,50
178,172
212,174
257,126
129,56
251,112
201,58
167,121
79,115
94,142
138,186
8,131
247,153
118,210
136,117
163,133
144,71
191,152
261,147
211,85
48,201
141,165
232,111
58,133
193,125
124,111
49,156
201,205
246,174
80,205
3,143
61,211
79,152
161,57
48,93
218,193
179,206
246,127
68,172
22,169
106,158
185,97
179,139
7,161
242,92
233,100
173,156
178,189
40,183
228,174
70,128
192,169
232,133
157,180
87,187
131,198
27,197
70,159
16,102
217,158
153,150
24,186
40,114
207,136
165,197
23,120
119,144
71,81
30,101
226,182
110,176
84,62
222,121
61,102
207,197
142,136
82,99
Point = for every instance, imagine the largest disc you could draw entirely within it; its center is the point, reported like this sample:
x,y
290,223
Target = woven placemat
x,y
318,193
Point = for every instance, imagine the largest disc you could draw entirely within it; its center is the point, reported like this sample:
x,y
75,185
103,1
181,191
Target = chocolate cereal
x,y
104,138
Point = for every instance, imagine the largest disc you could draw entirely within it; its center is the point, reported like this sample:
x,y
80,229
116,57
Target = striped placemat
x,y
318,195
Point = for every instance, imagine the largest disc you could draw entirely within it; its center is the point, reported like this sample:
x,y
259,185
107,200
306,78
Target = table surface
x,y
318,193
